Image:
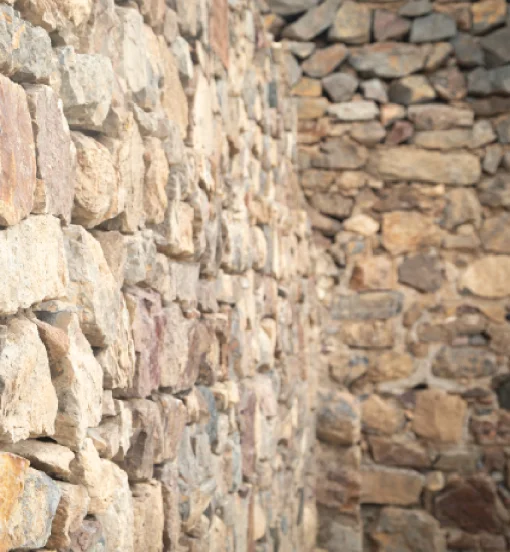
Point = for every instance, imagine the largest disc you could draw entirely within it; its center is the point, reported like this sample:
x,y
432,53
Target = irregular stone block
x,y
315,21
389,26
495,191
449,83
351,24
422,272
291,7
354,111
439,117
389,60
377,334
404,231
338,418
381,416
487,15
341,153
174,99
487,277
410,90
149,517
433,28
494,236
324,61
465,362
494,46
381,485
367,306
340,87
156,178
399,452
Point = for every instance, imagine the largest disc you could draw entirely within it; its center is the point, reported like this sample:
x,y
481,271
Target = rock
x,y
292,70
338,418
389,26
409,163
366,306
487,15
98,196
315,21
406,231
495,191
483,134
465,362
374,89
479,82
381,485
432,28
24,367
471,504
494,46
415,8
312,108
487,277
26,50
449,83
324,61
291,7
408,531
17,157
503,130
40,270
389,60
439,417
489,107
372,273
422,272
89,537
308,87
156,178
493,234
341,153
498,78
362,224
369,133
361,110
92,287
182,54
411,90
399,452
381,416
351,24
439,117
400,132
376,334
444,139
468,50
174,99
340,87
86,88
148,516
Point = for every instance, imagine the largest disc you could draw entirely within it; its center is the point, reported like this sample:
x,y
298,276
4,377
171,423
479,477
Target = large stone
x,y
340,87
411,90
404,231
399,452
439,417
487,277
148,517
381,416
389,26
92,287
439,117
391,365
341,153
366,306
338,418
86,88
444,139
433,28
24,368
17,154
422,272
381,485
40,271
291,7
462,207
487,15
410,163
408,531
494,235
389,60
494,46
464,363
467,50
361,110
324,61
449,83
315,21
174,99
55,185
498,79
351,24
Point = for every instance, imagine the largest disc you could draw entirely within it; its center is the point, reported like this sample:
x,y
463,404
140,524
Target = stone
x,y
465,362
381,416
351,24
324,61
422,272
389,26
449,83
372,334
468,50
156,178
341,153
483,134
415,8
291,7
400,133
86,88
479,82
374,89
26,50
40,270
340,87
308,87
439,417
408,531
439,117
148,517
312,108
389,60
390,486
405,231
88,537
362,224
368,133
313,22
17,157
492,159
494,47
361,110
487,15
444,139
399,452
376,305
410,163
503,130
98,196
498,78
92,287
23,367
372,273
292,70
174,99
338,418
494,236
411,90
487,277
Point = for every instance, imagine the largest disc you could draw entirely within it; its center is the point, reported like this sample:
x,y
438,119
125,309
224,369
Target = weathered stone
x,y
293,70
86,88
439,117
308,87
324,61
487,277
411,90
495,191
315,21
301,50
479,82
312,108
381,485
449,83
422,272
487,15
361,110
362,224
340,87
389,26
374,89
148,517
351,24
291,7
23,368
465,362
399,452
405,231
492,159
433,28
389,60
438,416
341,153
494,46
174,100
409,163
89,537
373,273
376,334
338,418
400,133
367,306
467,50
381,416
415,8
444,139
408,531
493,234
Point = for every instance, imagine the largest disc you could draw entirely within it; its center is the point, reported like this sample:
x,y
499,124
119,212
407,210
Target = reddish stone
x,y
389,26
400,132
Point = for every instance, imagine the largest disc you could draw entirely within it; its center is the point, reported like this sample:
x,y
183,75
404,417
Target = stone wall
x,y
404,129
158,316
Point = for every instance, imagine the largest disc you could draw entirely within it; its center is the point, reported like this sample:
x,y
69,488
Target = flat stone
x,y
409,163
381,485
404,231
341,153
40,270
415,8
433,27
399,133
462,207
368,133
338,418
301,50
148,516
291,7
399,452
307,87
494,46
422,272
479,82
465,362
493,234
389,60
449,83
340,87
351,24
389,26
362,224
333,205
315,21
503,130
411,90
324,61
439,117
367,306
488,107
156,178
487,277
439,417
311,108
17,154
361,110
487,15
376,334
468,50
498,78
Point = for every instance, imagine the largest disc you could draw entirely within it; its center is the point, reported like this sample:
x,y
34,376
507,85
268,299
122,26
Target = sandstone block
x,y
389,60
351,24
381,416
148,516
367,306
494,236
354,111
381,485
404,231
376,334
487,277
465,362
399,452
439,117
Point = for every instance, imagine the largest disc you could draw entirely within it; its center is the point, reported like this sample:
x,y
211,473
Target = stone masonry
x,y
404,159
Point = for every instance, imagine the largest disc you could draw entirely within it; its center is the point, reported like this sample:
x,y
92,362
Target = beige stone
x,y
148,516
381,416
487,277
362,224
404,231
391,365
174,100
381,485
156,178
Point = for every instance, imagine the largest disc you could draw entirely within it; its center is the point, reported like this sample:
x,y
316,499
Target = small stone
x,y
422,272
389,60
360,110
400,133
487,15
487,277
174,99
495,47
301,50
483,134
381,485
439,417
340,87
439,117
404,231
415,8
351,24
315,21
156,179
468,50
376,334
411,90
493,234
324,61
374,89
362,224
503,130
433,28
449,83
292,69
338,418
389,26
372,273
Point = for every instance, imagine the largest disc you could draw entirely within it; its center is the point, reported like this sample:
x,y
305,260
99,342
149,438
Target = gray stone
x,y
422,272
449,83
433,28
292,69
503,129
351,24
340,87
500,80
367,306
415,8
388,60
291,7
300,49
495,191
494,234
361,110
467,50
479,82
496,48
439,117
464,362
314,22
324,61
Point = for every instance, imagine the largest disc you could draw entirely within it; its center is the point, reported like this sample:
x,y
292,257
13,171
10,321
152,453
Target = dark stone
x,y
500,80
496,47
340,87
402,453
389,26
415,8
495,191
464,362
433,28
467,50
449,83
478,82
503,130
489,107
377,305
422,272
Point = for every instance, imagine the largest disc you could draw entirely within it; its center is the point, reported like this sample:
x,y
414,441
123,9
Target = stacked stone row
x,y
404,133
157,315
